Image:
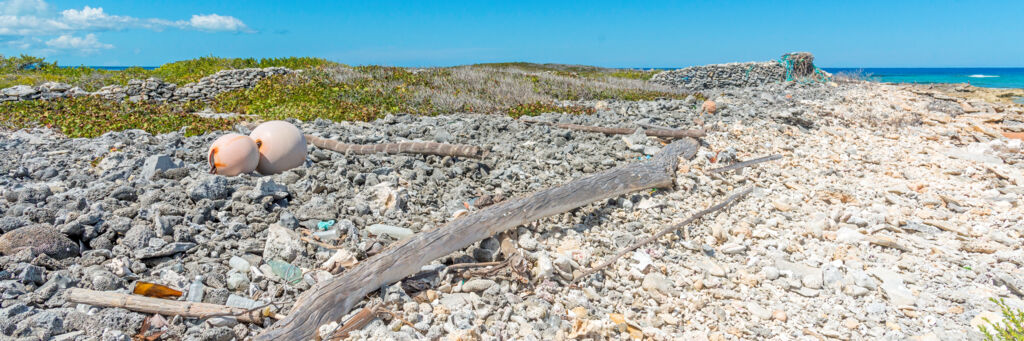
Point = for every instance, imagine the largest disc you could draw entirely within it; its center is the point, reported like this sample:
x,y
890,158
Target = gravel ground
x,y
892,215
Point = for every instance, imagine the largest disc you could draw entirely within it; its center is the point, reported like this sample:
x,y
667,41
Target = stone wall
x,y
730,75
151,89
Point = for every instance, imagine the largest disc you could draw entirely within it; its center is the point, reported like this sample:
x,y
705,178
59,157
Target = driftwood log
x,y
663,133
161,306
332,299
427,148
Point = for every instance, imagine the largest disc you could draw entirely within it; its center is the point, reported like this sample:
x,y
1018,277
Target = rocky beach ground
x,y
894,213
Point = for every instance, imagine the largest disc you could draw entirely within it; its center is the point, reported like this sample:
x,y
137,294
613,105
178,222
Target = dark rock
x,y
213,187
40,238
31,274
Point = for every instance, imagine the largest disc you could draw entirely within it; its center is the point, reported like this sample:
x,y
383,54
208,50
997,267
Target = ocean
x,y
984,77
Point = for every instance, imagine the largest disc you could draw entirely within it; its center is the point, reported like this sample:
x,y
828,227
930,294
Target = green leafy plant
x,y
1010,329
537,108
93,116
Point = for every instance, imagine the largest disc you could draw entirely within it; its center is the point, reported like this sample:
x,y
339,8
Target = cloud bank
x,y
25,24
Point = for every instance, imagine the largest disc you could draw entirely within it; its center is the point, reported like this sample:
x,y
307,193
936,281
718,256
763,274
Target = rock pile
x,y
48,90
732,75
224,81
151,89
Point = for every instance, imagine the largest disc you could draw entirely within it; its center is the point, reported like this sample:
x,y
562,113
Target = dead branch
x,y
611,260
664,133
427,148
747,163
330,299
161,306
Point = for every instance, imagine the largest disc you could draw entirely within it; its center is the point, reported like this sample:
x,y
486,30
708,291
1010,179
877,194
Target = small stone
x,y
477,285
770,272
543,267
993,318
157,163
850,323
812,281
781,206
31,275
213,187
282,243
757,311
237,280
657,282
779,315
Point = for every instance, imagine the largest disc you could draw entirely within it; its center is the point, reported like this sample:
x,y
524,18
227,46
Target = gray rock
x,y
157,163
477,285
40,239
164,250
18,91
267,187
31,274
8,224
282,243
213,187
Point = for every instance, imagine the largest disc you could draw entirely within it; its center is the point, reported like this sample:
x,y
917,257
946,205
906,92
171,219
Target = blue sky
x,y
605,33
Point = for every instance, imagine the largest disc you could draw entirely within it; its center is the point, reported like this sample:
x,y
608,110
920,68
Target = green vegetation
x,y
189,71
93,116
325,90
28,70
1010,329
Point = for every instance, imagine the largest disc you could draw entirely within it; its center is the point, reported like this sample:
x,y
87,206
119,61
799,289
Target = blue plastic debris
x,y
324,225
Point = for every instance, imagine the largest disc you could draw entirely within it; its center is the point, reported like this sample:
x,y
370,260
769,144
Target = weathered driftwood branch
x,y
612,259
664,133
739,165
161,306
428,148
332,299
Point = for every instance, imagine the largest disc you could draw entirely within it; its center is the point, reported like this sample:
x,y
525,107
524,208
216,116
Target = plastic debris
x,y
289,273
328,235
155,290
239,264
393,231
195,290
324,225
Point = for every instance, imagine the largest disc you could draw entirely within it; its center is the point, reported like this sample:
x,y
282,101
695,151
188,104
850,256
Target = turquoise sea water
x,y
984,77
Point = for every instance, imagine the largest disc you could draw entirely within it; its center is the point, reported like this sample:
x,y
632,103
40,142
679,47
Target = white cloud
x,y
89,18
217,23
87,44
28,18
15,7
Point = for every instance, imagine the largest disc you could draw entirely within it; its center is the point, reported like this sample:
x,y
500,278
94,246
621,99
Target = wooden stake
x,y
331,299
